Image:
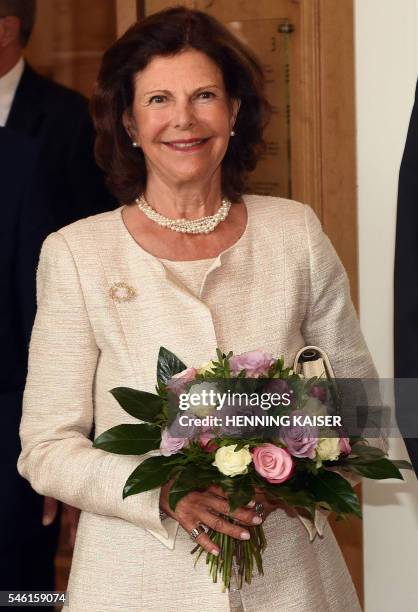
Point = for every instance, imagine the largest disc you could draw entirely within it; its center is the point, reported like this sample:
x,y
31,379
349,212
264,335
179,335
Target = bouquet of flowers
x,y
246,423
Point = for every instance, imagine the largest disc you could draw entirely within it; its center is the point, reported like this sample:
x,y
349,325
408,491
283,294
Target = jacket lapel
x,y
26,114
154,309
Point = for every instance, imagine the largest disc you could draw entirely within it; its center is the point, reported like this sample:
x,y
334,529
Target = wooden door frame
x,y
324,134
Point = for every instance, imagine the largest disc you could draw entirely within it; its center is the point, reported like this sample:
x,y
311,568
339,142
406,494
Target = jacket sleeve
x,y
405,286
57,456
331,323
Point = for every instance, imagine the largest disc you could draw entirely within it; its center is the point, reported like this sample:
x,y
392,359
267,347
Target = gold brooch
x,y
121,292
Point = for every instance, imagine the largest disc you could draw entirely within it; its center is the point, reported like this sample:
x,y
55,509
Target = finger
x,y
223,526
49,511
221,506
249,517
217,490
203,539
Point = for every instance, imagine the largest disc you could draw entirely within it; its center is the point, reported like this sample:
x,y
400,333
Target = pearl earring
x,y
135,144
232,133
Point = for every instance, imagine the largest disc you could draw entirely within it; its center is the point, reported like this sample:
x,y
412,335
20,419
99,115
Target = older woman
x,y
192,264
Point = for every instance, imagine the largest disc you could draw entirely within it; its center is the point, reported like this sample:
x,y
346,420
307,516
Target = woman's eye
x,y
207,94
157,99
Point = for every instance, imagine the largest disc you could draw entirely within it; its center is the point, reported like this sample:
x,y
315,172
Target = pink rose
x,y
255,363
301,441
345,447
273,463
207,443
177,382
170,446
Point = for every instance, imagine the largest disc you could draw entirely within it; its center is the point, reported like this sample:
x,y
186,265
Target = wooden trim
x,y
126,14
323,122
306,114
338,132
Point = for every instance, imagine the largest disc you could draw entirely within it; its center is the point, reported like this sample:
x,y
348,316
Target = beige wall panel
x,y
94,23
126,14
40,50
69,40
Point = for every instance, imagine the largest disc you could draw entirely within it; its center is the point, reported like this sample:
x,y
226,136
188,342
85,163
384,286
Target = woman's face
x,y
181,117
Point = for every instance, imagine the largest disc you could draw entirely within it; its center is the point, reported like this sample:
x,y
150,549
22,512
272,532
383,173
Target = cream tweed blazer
x,y
279,287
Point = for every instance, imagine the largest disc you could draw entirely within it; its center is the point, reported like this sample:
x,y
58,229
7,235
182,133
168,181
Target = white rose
x,y
314,407
206,368
231,462
328,449
208,404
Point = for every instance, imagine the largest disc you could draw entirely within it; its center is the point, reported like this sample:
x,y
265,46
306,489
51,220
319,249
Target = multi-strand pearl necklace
x,y
204,225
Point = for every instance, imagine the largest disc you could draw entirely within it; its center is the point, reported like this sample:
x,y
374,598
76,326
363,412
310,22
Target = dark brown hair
x,y
166,33
25,11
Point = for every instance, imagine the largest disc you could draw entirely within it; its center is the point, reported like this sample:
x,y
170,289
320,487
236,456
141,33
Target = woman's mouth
x,y
187,145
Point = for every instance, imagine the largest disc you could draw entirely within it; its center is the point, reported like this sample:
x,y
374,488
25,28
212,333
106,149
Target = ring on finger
x,y
259,508
197,531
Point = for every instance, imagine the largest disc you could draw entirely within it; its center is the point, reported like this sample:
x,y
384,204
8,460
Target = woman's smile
x,y
187,146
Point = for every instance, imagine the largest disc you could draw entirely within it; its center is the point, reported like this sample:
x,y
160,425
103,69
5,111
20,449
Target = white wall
x,y
387,69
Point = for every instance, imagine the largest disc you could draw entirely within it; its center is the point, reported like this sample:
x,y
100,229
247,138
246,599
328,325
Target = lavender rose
x,y
169,446
187,430
273,463
255,363
301,441
177,383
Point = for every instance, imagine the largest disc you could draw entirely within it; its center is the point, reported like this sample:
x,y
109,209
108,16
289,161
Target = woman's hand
x,y
206,507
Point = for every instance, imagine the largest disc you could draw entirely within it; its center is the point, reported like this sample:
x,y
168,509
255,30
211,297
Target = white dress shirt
x,y
8,86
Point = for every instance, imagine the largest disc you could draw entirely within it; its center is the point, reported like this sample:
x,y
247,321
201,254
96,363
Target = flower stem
x,y
247,554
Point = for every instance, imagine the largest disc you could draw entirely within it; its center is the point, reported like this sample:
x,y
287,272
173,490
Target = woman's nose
x,y
183,115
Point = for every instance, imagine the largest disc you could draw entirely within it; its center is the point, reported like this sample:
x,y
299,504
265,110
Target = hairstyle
x,y
165,33
23,9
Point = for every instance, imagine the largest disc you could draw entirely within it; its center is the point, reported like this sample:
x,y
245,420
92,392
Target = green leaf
x,y
242,494
365,451
139,404
150,474
188,480
377,470
168,365
336,491
296,499
129,439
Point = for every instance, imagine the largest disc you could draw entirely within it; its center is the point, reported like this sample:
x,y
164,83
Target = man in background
x,y
48,178
27,547
406,289
56,117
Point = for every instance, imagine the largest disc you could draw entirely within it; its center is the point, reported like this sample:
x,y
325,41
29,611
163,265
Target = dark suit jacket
x,y
58,119
406,287
26,548
48,178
